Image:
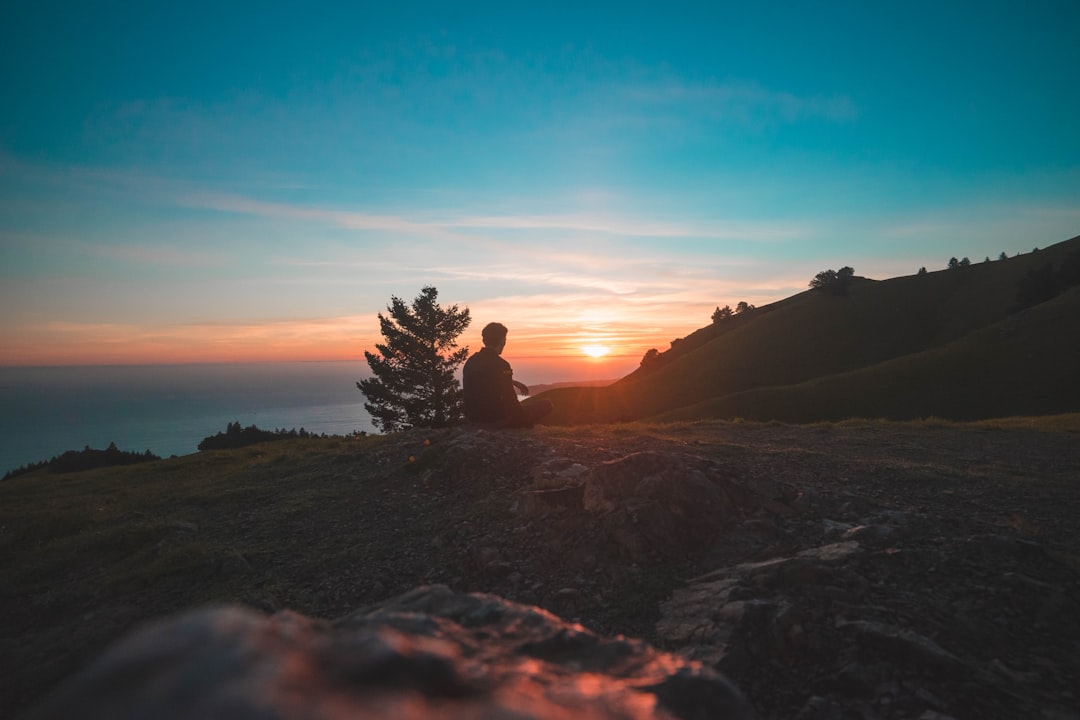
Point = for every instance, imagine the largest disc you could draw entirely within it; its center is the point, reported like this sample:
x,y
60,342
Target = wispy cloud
x,y
980,227
549,278
349,220
630,226
406,104
171,256
607,224
742,102
449,225
69,342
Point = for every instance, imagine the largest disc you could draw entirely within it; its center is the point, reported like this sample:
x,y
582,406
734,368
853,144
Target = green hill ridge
x,y
949,344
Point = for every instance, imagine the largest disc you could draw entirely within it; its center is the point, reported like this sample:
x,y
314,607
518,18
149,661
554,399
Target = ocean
x,y
169,409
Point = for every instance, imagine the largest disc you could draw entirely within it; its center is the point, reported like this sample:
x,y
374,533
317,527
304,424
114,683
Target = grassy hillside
x,y
1023,365
322,526
815,335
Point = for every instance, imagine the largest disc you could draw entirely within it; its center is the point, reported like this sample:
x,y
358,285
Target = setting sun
x,y
596,350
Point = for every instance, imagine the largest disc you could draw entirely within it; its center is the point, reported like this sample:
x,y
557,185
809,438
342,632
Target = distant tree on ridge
x,y
721,313
835,282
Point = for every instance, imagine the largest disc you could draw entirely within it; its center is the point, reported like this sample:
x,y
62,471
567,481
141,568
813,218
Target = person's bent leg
x,y
528,414
537,410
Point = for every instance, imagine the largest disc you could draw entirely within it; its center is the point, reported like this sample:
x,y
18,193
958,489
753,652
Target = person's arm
x,y
523,389
507,396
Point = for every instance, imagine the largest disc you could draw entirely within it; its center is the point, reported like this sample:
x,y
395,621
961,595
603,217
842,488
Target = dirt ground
x,y
988,566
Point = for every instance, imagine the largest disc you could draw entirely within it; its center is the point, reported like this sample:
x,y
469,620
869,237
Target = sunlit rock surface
x,y
430,653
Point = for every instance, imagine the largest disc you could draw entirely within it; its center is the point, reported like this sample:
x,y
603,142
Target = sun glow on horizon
x,y
596,351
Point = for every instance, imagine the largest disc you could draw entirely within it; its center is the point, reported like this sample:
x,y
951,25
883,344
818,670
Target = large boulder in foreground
x,y
430,653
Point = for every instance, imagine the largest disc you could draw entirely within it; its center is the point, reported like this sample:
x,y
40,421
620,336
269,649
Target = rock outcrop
x,y
894,624
660,504
430,653
672,505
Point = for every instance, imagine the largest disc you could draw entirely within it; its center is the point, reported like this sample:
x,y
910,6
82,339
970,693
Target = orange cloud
x,y
67,343
540,352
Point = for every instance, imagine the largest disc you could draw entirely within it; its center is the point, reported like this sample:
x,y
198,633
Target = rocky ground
x,y
881,571
864,570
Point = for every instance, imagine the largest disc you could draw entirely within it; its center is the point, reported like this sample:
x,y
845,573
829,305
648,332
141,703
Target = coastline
x,y
168,409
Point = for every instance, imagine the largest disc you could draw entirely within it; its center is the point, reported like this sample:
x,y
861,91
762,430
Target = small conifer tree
x,y
413,382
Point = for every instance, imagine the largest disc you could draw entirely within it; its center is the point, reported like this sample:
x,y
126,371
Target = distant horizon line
x,y
5,366
587,371
137,363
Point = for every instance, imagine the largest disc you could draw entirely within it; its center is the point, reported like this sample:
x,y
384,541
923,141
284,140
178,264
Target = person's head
x,y
494,335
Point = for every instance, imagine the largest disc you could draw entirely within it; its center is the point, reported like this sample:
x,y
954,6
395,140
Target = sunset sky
x,y
189,182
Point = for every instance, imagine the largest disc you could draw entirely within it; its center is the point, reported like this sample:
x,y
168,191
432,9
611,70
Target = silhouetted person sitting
x,y
488,383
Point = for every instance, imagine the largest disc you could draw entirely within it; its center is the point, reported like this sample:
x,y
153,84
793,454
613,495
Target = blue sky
x,y
218,182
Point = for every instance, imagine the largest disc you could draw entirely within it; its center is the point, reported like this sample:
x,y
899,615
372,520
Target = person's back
x,y
489,387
